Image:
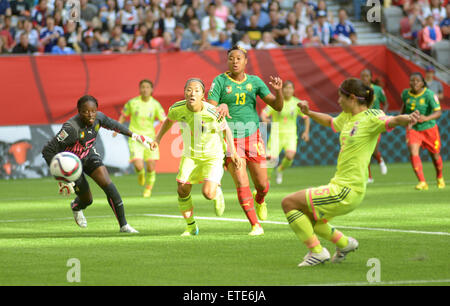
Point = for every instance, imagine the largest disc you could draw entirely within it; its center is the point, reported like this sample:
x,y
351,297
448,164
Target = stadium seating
x,y
392,17
441,52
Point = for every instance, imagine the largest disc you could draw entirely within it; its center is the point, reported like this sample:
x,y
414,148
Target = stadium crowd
x,y
425,22
54,26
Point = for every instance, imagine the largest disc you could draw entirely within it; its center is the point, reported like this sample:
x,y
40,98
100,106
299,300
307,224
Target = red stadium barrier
x,y
44,89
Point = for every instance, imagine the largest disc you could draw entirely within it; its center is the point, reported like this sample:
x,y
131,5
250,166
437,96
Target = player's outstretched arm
x,y
321,118
404,120
164,128
277,101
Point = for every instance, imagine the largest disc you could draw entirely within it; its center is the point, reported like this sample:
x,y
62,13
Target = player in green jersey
x,y
308,211
143,111
378,98
204,150
425,133
235,92
283,134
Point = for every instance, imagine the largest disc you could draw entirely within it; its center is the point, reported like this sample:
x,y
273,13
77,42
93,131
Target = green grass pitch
x,y
407,231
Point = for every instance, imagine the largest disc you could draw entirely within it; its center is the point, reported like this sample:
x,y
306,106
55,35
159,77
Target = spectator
x,y
433,84
322,6
267,42
199,7
344,32
118,42
304,11
192,37
311,39
88,12
220,24
222,11
445,24
295,41
49,35
129,18
429,35
179,8
436,9
169,21
230,29
295,27
178,35
263,17
33,34
73,36
278,29
245,42
151,24
168,44
357,8
254,31
323,29
416,19
5,8
39,14
210,35
5,31
239,17
224,42
20,8
137,43
24,46
189,14
108,15
3,49
61,47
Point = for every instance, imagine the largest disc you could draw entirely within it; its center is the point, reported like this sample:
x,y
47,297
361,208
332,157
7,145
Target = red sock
x,y
378,157
438,165
246,200
370,172
417,166
261,194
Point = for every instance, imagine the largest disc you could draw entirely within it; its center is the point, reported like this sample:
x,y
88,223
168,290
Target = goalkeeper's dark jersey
x,y
78,138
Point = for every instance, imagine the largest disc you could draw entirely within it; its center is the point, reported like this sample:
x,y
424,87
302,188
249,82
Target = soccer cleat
x,y
190,231
279,178
383,167
79,217
441,183
127,229
312,259
341,253
370,180
257,230
261,209
422,186
141,179
219,202
147,193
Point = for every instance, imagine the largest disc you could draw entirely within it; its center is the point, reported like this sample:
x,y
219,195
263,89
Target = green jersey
x,y
426,102
358,138
378,96
241,100
287,118
143,115
202,131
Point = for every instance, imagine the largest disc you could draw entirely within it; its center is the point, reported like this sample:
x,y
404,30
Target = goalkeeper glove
x,y
66,189
144,140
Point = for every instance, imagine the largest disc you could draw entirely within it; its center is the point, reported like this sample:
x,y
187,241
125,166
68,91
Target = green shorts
x,y
196,171
329,201
286,142
138,151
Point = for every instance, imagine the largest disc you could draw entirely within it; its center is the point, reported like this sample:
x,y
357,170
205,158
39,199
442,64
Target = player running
x,y
426,132
204,150
142,111
308,211
378,98
78,135
284,131
235,92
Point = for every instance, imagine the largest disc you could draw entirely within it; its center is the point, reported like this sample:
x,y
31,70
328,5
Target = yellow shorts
x,y
138,151
329,201
195,171
276,144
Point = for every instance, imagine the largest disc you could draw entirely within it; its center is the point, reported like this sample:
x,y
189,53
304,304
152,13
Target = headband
x,y
349,93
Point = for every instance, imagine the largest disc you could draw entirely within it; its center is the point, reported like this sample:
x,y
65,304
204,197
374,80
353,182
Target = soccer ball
x,y
66,167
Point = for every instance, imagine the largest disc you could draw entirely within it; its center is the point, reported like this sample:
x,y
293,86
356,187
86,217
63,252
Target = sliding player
x,y
308,211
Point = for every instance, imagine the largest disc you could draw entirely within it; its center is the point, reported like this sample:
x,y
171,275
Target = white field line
x,y
400,282
233,220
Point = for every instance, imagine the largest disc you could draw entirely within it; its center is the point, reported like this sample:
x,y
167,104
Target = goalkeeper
x,y
78,135
204,148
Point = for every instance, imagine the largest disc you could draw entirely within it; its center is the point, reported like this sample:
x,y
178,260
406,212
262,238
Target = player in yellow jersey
x,y
283,134
308,211
203,150
143,111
